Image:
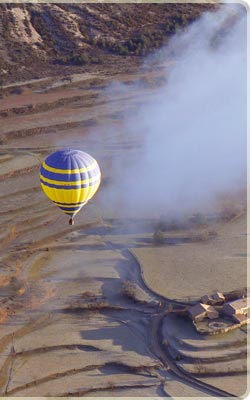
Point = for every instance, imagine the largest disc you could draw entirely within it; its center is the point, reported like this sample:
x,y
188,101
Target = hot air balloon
x,y
70,178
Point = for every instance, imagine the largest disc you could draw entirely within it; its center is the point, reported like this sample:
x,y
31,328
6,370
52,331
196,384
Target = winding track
x,y
165,357
131,257
161,351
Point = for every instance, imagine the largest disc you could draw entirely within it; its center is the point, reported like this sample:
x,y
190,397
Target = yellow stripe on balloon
x,y
72,205
70,183
69,171
72,195
71,212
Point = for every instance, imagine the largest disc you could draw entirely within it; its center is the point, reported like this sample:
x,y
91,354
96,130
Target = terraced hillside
x,y
214,360
80,314
62,288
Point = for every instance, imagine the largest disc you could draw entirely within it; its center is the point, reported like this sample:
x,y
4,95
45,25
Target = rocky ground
x,y
59,39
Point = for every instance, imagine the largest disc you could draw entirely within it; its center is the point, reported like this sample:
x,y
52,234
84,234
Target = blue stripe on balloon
x,y
69,159
70,209
69,177
69,187
70,204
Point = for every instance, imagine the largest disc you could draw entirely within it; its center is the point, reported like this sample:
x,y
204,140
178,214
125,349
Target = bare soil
x,y
67,328
219,261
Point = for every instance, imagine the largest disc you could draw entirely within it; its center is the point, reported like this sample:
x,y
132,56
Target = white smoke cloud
x,y
191,131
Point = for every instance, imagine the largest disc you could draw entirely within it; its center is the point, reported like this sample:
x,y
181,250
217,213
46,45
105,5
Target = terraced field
x,y
67,327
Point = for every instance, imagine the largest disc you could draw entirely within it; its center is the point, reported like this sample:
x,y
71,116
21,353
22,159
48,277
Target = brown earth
x,y
219,261
59,39
62,286
67,328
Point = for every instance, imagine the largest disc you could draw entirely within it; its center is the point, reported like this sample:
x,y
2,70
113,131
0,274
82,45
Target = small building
x,y
218,297
200,311
240,318
215,298
237,308
205,299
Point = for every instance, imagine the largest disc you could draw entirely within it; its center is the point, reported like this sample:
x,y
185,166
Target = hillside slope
x,y
37,38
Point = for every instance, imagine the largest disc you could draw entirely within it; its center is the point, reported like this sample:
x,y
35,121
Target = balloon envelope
x,y
70,178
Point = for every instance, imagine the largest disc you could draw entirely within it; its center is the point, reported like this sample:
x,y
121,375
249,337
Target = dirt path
x,y
167,359
156,333
62,288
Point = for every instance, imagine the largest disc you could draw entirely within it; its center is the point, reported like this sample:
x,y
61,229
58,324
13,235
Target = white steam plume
x,y
191,130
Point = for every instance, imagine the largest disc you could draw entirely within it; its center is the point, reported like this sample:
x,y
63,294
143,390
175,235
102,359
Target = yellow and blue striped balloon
x,y
70,178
